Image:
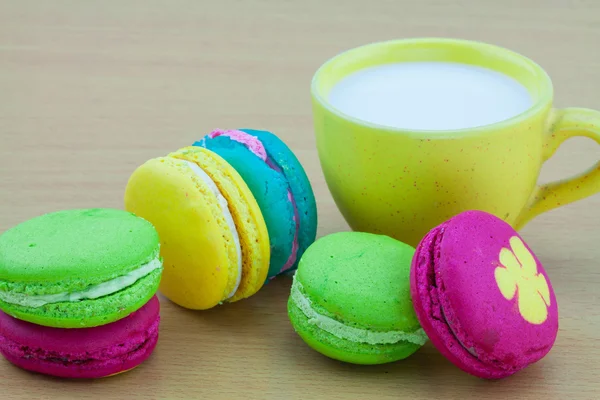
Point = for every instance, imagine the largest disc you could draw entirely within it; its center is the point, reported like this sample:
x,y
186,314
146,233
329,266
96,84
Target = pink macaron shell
x,y
428,310
427,307
89,369
461,306
82,353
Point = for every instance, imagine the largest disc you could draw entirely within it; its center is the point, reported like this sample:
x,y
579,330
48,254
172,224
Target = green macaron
x,y
350,299
78,268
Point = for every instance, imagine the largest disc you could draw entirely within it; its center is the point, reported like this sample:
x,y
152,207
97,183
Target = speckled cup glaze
x,y
403,183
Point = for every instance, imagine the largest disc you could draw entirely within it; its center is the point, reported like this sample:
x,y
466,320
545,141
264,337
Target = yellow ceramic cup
x,y
404,182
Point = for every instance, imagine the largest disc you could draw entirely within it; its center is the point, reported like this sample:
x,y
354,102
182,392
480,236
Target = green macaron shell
x,y
342,268
72,254
68,251
89,313
345,350
360,281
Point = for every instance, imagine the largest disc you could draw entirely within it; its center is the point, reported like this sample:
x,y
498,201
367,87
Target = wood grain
x,y
89,90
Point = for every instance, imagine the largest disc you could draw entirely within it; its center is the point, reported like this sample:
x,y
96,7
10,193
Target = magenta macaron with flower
x,y
483,297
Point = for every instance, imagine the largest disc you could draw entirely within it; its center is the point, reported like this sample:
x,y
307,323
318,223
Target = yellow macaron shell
x,y
249,221
199,253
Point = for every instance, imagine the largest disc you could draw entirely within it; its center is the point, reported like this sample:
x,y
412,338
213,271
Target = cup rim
x,y
545,99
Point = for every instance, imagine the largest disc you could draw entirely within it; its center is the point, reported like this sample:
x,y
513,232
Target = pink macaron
x,y
482,296
82,353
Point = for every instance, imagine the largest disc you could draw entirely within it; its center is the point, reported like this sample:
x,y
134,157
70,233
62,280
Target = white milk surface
x,y
430,96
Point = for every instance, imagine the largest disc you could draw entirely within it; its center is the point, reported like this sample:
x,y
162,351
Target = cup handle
x,y
564,124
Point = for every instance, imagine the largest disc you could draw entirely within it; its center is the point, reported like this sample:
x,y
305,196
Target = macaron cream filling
x,y
228,218
251,142
92,292
353,334
294,254
255,146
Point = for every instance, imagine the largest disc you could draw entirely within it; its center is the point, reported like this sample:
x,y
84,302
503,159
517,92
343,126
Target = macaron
x,y
82,353
78,268
482,296
350,299
214,240
279,185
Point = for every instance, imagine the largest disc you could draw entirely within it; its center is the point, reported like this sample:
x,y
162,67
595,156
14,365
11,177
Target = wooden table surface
x,y
91,89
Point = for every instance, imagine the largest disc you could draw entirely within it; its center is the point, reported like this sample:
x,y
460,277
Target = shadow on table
x,y
266,307
258,330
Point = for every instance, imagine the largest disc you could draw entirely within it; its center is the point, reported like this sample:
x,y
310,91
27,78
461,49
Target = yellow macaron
x,y
214,240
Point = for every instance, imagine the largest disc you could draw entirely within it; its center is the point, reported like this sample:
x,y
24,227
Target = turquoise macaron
x,y
280,186
350,299
78,268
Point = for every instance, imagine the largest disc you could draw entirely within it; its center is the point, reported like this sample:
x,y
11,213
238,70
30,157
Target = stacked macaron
x,y
472,287
77,293
232,211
